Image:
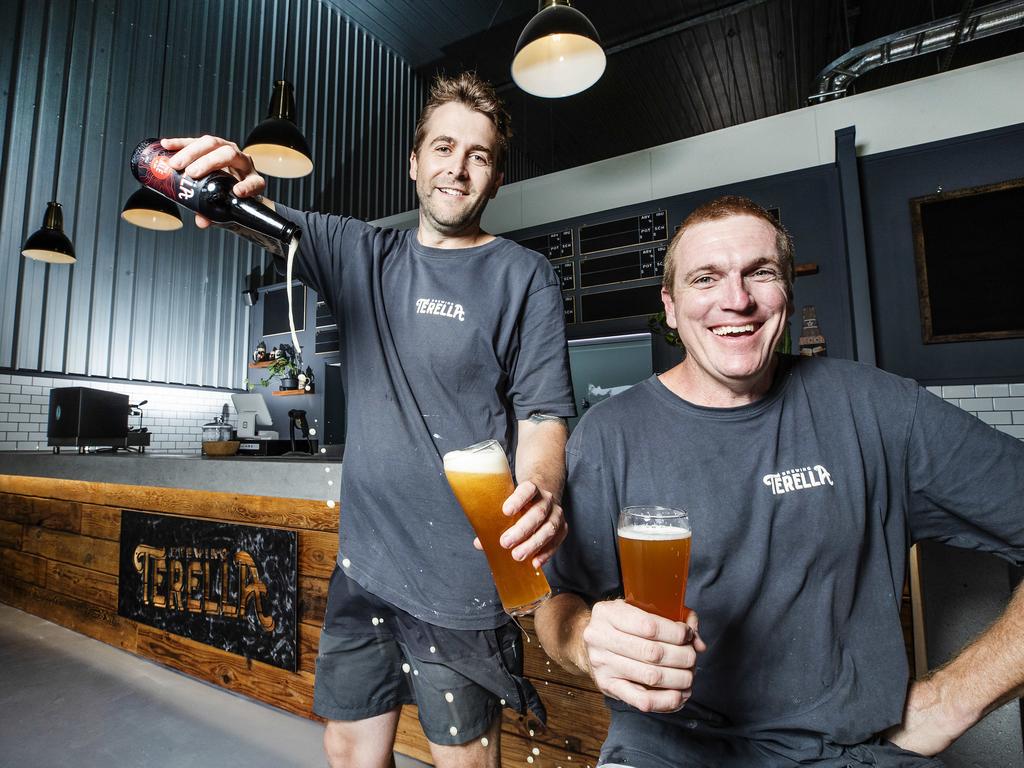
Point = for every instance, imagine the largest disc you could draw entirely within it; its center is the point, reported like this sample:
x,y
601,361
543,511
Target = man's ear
x,y
412,165
670,308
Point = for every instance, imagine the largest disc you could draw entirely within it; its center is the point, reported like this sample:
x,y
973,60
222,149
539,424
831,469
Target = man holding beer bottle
x,y
805,481
449,336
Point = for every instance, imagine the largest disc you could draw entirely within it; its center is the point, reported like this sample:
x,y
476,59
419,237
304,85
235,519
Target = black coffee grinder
x,y
297,419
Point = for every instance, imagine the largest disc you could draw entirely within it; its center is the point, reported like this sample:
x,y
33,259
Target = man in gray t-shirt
x,y
449,336
806,480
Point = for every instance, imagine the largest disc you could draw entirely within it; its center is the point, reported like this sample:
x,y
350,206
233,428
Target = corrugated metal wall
x,y
167,307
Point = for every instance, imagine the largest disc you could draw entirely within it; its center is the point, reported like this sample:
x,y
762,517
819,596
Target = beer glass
x,y
481,481
654,554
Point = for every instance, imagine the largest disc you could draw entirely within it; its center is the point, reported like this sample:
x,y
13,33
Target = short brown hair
x,y
722,208
479,95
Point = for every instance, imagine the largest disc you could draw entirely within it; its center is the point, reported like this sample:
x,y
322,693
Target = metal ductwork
x,y
836,78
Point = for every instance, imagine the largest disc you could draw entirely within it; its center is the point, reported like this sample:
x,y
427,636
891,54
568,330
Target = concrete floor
x,y
69,700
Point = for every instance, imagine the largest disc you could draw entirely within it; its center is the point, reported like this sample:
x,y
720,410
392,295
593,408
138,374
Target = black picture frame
x,y
968,251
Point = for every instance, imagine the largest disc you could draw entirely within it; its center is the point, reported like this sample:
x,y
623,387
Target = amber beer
x,y
654,554
481,481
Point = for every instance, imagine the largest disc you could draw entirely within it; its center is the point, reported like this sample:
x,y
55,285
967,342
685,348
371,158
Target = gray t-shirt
x,y
803,507
440,348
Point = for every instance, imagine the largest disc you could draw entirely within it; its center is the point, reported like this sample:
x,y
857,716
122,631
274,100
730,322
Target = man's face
x,y
729,303
454,169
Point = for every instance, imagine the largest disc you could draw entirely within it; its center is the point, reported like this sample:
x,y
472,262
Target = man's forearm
x,y
560,622
989,671
540,453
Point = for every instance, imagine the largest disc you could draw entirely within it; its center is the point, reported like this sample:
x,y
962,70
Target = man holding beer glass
x,y
449,335
805,481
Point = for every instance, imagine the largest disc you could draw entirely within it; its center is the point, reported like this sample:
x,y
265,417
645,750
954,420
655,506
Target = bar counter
x,y
60,526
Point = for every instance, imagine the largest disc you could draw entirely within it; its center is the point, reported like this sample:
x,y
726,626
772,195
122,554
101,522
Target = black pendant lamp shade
x,y
50,243
559,52
149,210
277,146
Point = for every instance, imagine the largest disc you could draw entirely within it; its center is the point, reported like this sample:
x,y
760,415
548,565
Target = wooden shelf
x,y
290,392
264,364
806,269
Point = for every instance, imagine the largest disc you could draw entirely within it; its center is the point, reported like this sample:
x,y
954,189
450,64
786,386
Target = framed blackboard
x,y
969,250
275,309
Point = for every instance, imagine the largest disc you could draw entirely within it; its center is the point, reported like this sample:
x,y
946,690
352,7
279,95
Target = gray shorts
x,y
636,740
374,657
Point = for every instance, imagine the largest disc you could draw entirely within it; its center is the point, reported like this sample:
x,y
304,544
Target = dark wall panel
x,y
166,307
889,181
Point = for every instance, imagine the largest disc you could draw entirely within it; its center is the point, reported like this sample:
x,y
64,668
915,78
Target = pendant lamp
x,y
50,244
145,208
559,52
277,146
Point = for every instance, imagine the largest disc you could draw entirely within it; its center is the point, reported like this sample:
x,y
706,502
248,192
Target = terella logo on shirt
x,y
440,307
799,479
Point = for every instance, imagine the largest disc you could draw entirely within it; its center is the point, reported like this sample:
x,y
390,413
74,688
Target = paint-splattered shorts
x,y
374,657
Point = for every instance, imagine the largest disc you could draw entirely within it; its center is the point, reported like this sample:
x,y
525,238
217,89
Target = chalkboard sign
x,y
275,309
969,253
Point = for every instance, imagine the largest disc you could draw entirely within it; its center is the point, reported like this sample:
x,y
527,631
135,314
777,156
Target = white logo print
x,y
799,479
440,307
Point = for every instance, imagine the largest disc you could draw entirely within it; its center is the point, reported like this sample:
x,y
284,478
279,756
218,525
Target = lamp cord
x,y
62,115
163,72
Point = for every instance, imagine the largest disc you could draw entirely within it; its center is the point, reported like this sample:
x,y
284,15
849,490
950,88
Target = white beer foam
x,y
485,462
653,532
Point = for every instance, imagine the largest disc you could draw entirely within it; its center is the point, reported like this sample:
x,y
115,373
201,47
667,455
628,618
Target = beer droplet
x,y
535,751
453,730
529,759
345,563
416,672
484,741
375,621
433,649
327,469
329,482
502,702
323,450
330,503
406,668
449,697
531,733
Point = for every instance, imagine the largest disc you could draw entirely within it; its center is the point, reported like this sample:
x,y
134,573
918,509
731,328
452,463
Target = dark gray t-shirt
x,y
803,507
440,348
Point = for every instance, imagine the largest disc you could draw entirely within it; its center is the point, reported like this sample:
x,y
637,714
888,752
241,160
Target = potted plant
x,y
286,367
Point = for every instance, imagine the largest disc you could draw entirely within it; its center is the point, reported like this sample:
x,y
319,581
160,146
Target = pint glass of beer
x,y
481,481
654,553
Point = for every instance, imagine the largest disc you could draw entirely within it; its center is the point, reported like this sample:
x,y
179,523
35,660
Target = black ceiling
x,y
726,62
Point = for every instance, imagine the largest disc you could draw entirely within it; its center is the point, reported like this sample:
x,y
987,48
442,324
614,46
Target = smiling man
x,y
806,480
449,336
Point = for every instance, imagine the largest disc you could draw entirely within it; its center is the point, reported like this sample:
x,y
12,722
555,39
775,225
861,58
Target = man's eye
x,y
481,159
704,280
444,150
766,273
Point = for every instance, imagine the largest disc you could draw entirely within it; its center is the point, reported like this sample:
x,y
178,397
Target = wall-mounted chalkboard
x,y
275,309
969,253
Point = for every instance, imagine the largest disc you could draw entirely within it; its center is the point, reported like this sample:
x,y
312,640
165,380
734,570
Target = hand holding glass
x,y
481,481
654,553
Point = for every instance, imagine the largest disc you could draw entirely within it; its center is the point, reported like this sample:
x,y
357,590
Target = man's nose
x,y
459,166
735,294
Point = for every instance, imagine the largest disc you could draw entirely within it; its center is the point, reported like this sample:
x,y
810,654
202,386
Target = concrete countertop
x,y
293,478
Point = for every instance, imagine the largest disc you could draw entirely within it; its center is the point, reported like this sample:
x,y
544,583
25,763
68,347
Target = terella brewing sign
x,y
229,586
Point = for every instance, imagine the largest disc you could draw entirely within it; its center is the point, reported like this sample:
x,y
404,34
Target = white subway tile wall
x,y
1000,405
174,415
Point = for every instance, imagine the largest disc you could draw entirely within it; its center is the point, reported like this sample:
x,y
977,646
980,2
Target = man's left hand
x,y
930,722
539,528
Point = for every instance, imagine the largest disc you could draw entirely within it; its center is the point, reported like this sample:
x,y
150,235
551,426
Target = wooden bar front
x,y
59,548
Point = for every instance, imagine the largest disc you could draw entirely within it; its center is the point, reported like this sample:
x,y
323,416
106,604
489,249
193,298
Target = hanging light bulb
x,y
559,52
277,146
146,209
49,243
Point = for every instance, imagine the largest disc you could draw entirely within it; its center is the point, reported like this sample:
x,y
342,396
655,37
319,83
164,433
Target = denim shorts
x,y
375,657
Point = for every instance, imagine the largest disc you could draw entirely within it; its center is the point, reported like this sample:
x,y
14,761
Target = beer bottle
x,y
212,197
